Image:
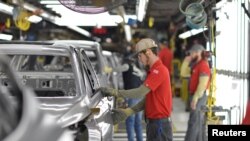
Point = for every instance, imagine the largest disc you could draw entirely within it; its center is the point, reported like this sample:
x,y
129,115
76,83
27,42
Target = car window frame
x,y
16,66
90,72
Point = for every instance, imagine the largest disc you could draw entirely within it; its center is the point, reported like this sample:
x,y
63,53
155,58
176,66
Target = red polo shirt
x,y
159,99
166,57
199,69
246,120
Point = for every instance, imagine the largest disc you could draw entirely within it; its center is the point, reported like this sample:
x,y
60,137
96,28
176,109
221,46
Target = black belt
x,y
155,120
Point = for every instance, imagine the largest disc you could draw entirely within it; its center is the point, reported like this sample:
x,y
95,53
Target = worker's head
x,y
196,52
146,50
163,43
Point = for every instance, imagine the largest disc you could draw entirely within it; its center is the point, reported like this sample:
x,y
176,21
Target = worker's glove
x,y
121,103
119,115
107,69
137,72
109,91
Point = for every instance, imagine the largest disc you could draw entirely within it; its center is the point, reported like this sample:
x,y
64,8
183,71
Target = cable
x,y
211,117
196,17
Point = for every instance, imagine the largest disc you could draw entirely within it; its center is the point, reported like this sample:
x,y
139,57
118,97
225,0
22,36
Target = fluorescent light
x,y
141,10
5,37
49,2
78,19
52,6
29,7
80,30
106,53
43,14
6,8
9,10
191,33
56,20
128,32
34,19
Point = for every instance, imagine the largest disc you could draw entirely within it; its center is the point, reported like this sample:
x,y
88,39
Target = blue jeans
x,y
196,121
133,123
159,129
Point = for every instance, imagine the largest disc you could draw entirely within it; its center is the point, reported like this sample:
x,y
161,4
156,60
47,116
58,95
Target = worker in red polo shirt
x,y
166,54
155,91
246,119
199,81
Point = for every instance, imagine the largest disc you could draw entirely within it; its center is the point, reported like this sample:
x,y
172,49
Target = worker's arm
x,y
139,92
185,69
121,68
202,86
139,106
119,115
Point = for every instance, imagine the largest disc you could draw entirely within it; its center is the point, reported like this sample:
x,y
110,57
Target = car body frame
x,y
74,112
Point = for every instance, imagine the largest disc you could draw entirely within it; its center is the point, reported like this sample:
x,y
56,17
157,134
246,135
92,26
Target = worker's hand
x,y
194,103
119,115
188,59
107,69
109,91
120,101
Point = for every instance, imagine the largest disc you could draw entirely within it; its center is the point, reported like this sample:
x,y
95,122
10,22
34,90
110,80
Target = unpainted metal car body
x,y
114,60
92,49
71,96
95,54
21,119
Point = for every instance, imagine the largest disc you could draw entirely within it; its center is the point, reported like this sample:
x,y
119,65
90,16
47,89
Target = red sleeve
x,y
204,69
154,79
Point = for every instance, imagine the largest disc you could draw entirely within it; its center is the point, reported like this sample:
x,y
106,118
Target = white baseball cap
x,y
145,44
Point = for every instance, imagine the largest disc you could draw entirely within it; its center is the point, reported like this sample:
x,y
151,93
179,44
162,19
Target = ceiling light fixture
x,y
7,9
56,20
44,14
191,33
35,19
106,53
128,32
141,10
7,37
49,2
80,30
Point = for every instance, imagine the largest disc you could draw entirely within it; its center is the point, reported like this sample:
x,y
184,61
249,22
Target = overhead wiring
x,y
195,14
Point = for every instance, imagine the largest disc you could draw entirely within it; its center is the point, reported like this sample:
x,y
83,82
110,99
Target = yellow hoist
x,y
20,17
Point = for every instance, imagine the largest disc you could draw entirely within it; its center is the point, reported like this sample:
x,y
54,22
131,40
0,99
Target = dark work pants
x,y
159,130
188,103
196,120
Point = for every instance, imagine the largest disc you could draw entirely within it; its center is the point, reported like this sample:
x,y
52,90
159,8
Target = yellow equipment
x,y
210,113
21,20
175,79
